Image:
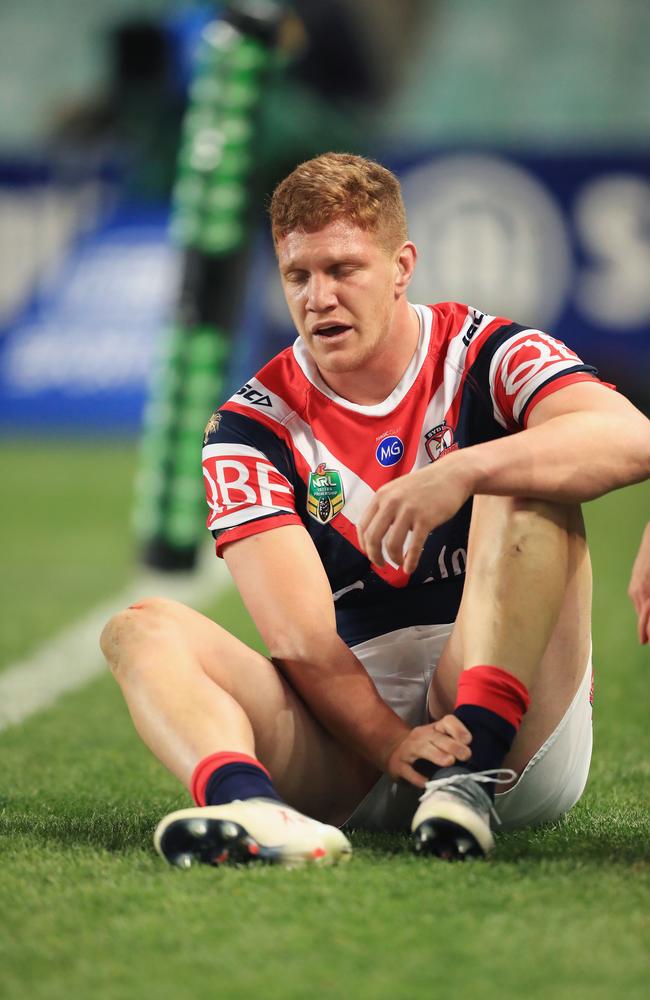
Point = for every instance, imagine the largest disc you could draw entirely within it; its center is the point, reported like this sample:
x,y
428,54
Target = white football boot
x,y
453,818
248,830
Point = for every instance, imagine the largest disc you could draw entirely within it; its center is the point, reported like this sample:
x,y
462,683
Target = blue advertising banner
x,y
560,243
80,354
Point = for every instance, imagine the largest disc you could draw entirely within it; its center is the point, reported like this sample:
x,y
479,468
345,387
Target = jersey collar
x,y
311,373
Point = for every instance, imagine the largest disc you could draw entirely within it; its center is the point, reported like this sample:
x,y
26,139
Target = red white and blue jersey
x,y
285,449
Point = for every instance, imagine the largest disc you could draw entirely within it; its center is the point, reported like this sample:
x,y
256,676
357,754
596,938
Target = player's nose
x,y
321,292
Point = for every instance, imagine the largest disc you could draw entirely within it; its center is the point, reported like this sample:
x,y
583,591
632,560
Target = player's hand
x,y
401,514
639,588
442,743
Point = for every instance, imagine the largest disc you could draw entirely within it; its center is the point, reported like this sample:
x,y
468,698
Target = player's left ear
x,y
404,267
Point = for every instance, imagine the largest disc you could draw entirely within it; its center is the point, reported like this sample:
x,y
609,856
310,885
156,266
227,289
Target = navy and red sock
x,y
491,703
225,776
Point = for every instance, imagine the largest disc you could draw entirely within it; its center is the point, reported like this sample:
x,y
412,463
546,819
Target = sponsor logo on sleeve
x,y
240,484
439,441
254,396
478,319
325,496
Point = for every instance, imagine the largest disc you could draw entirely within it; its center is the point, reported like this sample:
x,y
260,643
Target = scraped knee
x,y
143,622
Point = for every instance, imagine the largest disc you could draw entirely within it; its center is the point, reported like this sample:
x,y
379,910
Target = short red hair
x,y
340,186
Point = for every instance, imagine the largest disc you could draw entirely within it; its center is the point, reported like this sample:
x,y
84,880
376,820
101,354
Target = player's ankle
x,y
224,776
491,703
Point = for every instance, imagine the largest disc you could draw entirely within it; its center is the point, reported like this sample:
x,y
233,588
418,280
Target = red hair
x,y
340,186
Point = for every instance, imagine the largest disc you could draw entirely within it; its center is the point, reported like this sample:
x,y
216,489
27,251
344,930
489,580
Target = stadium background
x,y
522,135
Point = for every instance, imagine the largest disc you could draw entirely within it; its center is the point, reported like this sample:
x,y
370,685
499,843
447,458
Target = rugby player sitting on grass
x,y
397,499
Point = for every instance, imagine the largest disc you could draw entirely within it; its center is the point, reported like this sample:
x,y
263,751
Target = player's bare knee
x,y
140,623
517,533
544,510
535,527
109,640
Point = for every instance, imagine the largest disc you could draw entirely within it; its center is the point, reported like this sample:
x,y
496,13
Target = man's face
x,y
340,286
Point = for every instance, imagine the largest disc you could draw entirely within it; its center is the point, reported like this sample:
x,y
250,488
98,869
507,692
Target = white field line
x,y
72,658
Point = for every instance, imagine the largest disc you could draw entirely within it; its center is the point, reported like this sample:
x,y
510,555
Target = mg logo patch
x,y
389,451
439,441
325,497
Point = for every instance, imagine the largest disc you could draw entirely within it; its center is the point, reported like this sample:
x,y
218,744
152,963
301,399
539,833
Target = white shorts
x,y
401,665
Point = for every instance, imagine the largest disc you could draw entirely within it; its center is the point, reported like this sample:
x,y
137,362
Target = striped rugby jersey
x,y
285,449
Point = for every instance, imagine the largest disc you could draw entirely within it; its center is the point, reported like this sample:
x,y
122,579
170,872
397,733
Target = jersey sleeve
x,y
248,475
522,366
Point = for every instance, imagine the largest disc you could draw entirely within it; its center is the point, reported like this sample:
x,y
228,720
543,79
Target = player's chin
x,y
337,366
338,358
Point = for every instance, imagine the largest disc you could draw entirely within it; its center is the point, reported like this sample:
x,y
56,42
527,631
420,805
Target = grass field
x,y
88,910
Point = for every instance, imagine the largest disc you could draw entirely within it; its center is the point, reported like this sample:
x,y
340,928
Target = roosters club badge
x,y
212,426
439,441
325,497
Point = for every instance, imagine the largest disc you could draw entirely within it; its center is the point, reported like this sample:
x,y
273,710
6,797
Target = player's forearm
x,y
340,694
571,458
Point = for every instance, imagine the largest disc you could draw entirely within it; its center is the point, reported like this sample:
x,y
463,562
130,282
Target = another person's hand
x,y
443,743
639,588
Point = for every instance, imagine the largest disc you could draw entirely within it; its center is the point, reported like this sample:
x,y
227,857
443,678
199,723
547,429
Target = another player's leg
x,y
221,718
522,637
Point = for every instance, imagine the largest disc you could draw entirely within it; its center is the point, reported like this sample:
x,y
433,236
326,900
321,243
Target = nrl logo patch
x,y
325,496
439,441
212,426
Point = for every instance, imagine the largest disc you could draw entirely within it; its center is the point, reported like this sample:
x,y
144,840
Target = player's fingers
x,y
437,743
436,754
448,745
366,519
374,535
644,623
409,774
452,726
643,611
416,545
394,541
369,515
440,757
636,599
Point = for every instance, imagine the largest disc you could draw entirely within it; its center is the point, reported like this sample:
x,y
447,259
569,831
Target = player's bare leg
x,y
526,609
194,690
